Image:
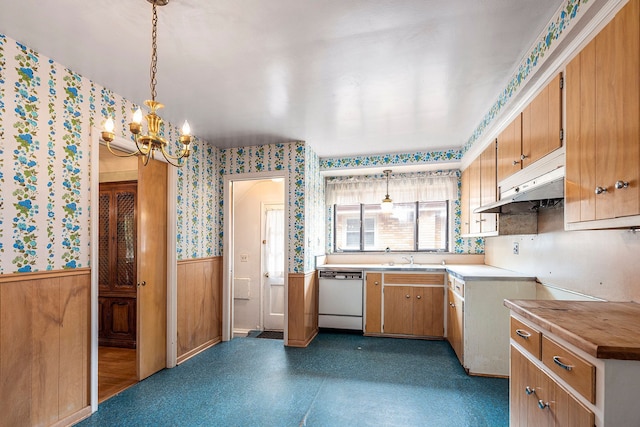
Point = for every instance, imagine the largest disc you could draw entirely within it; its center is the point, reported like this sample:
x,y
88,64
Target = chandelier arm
x,y
134,153
169,157
141,148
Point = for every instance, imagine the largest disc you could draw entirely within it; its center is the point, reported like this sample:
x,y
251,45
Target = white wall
x,y
600,263
248,199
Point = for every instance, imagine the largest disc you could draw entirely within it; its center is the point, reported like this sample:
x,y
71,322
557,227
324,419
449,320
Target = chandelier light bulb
x,y
137,116
186,129
109,126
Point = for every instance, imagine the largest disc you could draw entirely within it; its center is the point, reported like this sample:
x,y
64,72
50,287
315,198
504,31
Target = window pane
x,y
394,230
432,226
347,228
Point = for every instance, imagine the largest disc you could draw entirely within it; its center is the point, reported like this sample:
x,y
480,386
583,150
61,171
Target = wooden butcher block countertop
x,y
605,330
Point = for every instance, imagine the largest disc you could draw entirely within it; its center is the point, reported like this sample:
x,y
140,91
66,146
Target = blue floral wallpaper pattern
x,y
418,157
46,116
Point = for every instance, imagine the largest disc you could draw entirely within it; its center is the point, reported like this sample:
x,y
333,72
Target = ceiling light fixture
x,y
387,203
148,144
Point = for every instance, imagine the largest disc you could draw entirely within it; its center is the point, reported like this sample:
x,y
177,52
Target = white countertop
x,y
461,271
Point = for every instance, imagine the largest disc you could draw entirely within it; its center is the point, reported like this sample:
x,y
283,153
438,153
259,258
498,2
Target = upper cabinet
x,y
603,145
510,149
534,133
542,123
479,187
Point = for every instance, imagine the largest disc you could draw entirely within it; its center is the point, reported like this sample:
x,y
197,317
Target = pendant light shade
x,y
387,203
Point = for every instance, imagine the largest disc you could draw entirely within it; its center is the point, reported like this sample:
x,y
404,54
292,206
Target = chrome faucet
x,y
410,259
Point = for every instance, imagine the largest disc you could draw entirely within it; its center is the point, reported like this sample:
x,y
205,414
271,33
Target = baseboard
x,y
74,418
188,355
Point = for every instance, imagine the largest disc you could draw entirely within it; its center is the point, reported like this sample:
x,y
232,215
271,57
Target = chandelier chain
x,y
154,53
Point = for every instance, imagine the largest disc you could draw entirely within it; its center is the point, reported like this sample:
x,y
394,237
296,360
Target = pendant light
x,y
387,203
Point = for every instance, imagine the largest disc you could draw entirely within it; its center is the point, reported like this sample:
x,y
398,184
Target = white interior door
x,y
273,264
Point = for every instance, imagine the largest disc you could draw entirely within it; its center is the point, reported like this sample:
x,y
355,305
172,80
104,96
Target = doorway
x,y
115,367
256,283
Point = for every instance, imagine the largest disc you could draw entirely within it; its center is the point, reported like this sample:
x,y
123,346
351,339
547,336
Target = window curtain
x,y
274,256
403,188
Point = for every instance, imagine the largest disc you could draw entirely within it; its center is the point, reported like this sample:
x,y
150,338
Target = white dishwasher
x,y
340,299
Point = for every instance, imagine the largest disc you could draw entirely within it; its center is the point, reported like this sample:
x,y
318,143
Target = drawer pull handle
x,y
542,405
457,287
557,361
529,390
523,334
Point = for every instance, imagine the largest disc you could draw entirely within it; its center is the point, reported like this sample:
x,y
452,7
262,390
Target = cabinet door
x,y
373,324
398,310
541,123
603,111
464,202
510,149
536,399
428,311
474,195
455,324
488,188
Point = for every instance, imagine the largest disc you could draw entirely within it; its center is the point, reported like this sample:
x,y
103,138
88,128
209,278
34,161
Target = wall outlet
x,y
244,258
516,248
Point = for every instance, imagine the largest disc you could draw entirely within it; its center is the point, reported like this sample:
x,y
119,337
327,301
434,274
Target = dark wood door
x,y
117,238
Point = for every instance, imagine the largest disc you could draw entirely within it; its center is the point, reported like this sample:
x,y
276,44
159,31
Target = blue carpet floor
x,y
339,380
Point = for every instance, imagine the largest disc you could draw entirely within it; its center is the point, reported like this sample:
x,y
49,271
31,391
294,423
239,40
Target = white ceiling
x,y
349,77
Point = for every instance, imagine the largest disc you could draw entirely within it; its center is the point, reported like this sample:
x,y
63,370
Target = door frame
x,y
228,240
172,259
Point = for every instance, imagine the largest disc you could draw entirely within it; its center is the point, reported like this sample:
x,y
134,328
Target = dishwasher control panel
x,y
341,275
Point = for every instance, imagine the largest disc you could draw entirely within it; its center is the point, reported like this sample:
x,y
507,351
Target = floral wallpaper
x,y
419,157
46,116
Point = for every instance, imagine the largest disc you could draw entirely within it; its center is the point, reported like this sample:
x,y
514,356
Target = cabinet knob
x,y
419,296
524,156
407,296
376,283
515,162
529,390
452,305
622,184
542,405
600,190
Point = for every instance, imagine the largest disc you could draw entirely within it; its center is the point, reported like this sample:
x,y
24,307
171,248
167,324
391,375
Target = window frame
x,y
416,229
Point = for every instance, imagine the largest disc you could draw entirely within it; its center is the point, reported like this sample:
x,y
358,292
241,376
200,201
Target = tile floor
x,y
339,380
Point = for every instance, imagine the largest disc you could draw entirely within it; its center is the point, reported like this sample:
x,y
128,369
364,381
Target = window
x,y
417,226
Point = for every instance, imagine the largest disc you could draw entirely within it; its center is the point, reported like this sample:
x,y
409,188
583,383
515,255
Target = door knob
x,y
266,274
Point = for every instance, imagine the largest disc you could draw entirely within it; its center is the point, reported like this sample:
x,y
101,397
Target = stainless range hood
x,y
543,180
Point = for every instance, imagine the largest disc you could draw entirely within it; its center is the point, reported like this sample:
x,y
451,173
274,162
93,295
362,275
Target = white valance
x,y
403,188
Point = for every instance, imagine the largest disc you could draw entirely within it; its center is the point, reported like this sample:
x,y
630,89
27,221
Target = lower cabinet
x,y
414,310
538,400
455,323
117,321
404,304
477,320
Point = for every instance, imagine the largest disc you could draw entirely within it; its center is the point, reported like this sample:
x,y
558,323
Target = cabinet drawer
x,y
456,286
577,372
414,279
526,336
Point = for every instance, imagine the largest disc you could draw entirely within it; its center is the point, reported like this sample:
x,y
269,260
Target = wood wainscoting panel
x,y
44,347
199,305
302,309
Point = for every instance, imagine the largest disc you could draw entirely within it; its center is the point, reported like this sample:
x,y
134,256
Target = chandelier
x,y
148,144
387,203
